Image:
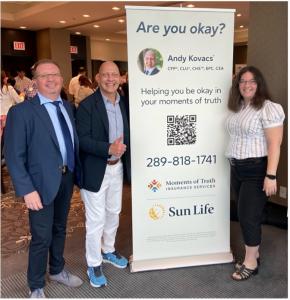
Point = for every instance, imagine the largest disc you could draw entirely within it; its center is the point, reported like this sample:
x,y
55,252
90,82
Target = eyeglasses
x,y
46,76
107,75
251,82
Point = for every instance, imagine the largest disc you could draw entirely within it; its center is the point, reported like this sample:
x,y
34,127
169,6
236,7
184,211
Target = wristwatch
x,y
272,177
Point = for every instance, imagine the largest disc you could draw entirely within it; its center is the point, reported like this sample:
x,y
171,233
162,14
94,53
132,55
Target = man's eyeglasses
x,y
107,75
46,76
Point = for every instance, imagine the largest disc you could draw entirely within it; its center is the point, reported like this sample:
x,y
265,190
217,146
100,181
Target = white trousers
x,y
102,214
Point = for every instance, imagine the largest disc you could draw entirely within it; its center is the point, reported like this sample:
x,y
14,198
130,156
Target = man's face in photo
x,y
149,60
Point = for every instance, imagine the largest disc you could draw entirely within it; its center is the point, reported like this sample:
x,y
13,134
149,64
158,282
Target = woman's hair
x,y
3,76
84,81
262,93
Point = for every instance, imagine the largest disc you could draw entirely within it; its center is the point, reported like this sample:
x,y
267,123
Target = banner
x,y
180,72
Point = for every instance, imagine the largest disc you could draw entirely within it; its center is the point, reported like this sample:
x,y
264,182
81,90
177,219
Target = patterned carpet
x,y
211,281
15,239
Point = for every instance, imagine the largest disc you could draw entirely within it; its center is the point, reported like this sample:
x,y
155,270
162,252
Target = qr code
x,y
181,130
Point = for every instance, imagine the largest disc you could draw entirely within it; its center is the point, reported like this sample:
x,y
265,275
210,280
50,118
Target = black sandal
x,y
244,273
239,264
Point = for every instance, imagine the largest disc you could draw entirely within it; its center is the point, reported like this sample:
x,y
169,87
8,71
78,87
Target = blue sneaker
x,y
96,276
115,259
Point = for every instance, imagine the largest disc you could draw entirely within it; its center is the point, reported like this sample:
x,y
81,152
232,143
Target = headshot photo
x,y
150,61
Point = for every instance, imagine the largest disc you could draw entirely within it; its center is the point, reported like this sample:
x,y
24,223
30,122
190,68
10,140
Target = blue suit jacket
x,y
154,71
93,131
32,152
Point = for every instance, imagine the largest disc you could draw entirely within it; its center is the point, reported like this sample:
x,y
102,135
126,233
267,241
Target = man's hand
x,y
117,148
32,201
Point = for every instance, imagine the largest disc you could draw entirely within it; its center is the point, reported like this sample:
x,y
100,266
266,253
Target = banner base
x,y
180,262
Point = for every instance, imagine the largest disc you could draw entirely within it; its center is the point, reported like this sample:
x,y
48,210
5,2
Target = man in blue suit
x,y
41,152
103,131
150,62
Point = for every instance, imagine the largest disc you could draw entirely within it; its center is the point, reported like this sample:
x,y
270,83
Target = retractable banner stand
x,y
180,177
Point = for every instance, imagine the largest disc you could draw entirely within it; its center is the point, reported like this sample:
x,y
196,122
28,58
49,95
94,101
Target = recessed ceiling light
x,y
121,21
190,5
108,40
96,26
77,32
239,15
116,8
241,26
62,21
86,16
22,27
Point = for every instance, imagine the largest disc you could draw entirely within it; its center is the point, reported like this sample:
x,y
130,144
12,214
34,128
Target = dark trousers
x,y
247,179
48,230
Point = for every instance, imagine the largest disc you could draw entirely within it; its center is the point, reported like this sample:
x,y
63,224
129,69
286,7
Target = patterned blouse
x,y
246,129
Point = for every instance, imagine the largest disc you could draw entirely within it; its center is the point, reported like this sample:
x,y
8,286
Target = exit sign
x,y
19,46
73,49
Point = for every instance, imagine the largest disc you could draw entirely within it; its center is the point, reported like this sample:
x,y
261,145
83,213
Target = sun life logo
x,y
156,212
154,185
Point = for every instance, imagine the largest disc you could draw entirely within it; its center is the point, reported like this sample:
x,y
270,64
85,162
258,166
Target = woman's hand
x,y
270,186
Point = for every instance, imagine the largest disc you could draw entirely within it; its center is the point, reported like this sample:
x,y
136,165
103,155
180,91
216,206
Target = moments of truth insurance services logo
x,y
154,185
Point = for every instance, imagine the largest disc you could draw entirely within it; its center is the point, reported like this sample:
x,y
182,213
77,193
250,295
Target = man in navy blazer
x,y
150,62
36,155
103,132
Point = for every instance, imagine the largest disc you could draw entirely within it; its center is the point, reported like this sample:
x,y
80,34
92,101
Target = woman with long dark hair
x,y
255,127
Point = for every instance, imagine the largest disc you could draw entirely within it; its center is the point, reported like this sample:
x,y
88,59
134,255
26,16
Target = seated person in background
x,y
84,91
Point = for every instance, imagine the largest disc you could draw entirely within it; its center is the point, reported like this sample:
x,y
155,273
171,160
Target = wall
x,y
267,50
43,44
108,51
60,52
54,44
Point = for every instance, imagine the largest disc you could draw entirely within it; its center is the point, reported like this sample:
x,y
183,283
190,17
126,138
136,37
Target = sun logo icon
x,y
154,185
157,212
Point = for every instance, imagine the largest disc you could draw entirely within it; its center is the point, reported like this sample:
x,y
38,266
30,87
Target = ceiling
x,y
42,15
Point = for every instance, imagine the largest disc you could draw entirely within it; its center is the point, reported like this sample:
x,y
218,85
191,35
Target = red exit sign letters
x,y
19,46
73,49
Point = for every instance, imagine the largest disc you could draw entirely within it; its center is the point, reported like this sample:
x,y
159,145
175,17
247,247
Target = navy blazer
x,y
154,71
32,152
93,131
